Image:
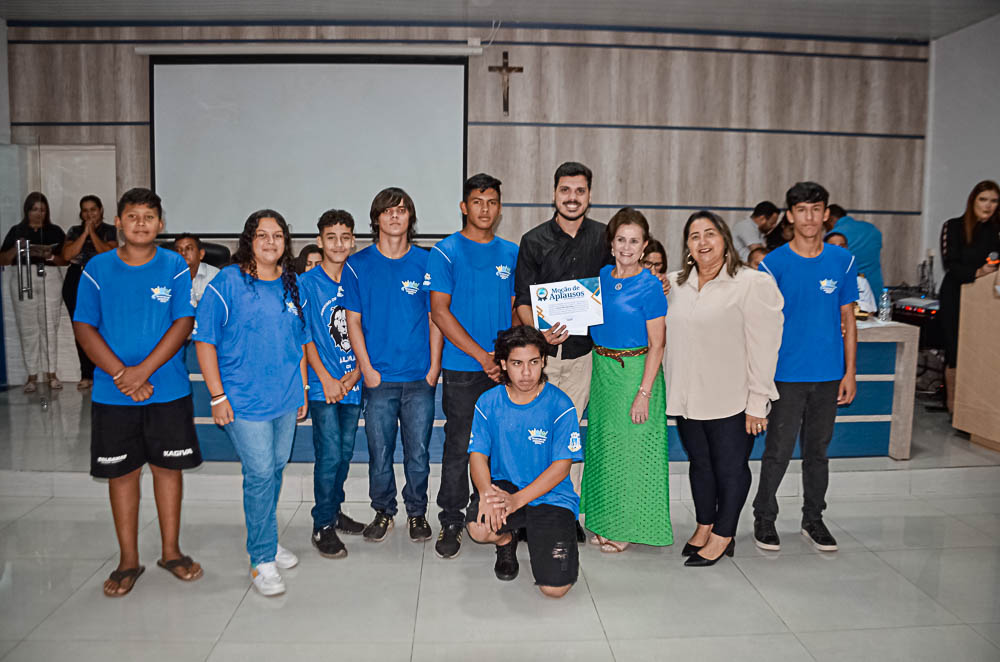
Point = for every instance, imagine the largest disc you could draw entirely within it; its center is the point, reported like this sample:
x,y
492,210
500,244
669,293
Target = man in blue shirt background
x,y
471,277
816,363
398,349
525,437
864,241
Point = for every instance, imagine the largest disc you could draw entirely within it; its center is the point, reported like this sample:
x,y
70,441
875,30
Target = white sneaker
x,y
285,559
266,579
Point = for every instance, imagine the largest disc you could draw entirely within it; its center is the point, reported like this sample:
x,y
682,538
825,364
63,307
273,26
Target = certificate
x,y
575,303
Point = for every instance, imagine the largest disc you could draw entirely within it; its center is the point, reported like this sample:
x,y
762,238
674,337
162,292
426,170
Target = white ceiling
x,y
892,19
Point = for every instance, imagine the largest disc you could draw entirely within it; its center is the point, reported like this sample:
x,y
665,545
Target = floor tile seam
x,y
597,611
228,622
911,583
416,606
81,587
757,590
977,527
887,627
13,648
978,633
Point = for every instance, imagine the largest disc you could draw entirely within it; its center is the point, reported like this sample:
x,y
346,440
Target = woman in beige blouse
x,y
724,322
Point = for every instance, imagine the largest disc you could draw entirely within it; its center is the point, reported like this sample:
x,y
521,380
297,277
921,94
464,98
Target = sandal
x,y
120,576
185,563
84,384
30,386
597,540
54,383
614,547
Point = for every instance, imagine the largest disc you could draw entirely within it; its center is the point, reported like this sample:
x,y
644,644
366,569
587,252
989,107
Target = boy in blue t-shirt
x,y
398,351
471,277
816,363
334,389
525,437
133,314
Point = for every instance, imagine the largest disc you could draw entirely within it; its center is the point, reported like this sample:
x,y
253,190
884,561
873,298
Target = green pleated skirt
x,y
626,477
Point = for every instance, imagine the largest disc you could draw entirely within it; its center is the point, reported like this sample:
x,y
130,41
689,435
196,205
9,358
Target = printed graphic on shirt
x,y
338,328
503,271
538,436
290,305
410,287
161,294
828,285
427,279
574,442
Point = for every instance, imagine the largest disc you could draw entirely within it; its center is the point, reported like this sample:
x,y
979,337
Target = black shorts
x,y
123,438
551,533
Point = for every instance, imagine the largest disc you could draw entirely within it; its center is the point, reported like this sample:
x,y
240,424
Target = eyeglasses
x,y
264,236
649,264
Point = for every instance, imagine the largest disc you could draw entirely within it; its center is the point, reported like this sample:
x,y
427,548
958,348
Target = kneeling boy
x,y
525,437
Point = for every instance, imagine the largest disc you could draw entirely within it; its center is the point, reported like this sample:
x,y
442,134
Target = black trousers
x,y
806,410
719,454
458,400
71,284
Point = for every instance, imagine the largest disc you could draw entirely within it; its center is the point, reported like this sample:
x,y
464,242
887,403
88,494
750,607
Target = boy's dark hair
x,y
572,169
141,196
333,217
519,336
806,192
480,182
766,208
193,237
836,212
830,235
388,198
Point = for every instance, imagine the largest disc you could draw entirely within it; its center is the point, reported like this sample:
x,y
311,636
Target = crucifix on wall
x,y
505,71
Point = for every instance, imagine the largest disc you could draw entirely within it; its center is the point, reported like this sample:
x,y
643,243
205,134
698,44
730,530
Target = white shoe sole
x,y
822,548
271,592
770,548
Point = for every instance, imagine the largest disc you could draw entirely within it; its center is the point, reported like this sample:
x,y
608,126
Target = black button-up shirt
x,y
548,255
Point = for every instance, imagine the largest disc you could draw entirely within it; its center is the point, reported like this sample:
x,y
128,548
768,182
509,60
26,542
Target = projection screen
x,y
232,135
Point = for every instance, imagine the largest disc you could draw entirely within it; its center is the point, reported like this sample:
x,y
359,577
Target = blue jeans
x,y
264,448
334,427
389,406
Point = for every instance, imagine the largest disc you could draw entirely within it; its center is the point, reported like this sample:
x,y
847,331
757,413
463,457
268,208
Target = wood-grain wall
x,y
669,123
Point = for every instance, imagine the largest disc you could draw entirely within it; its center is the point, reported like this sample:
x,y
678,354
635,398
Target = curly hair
x,y
519,336
247,263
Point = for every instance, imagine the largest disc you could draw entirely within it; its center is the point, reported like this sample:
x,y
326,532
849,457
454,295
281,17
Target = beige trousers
x,y
572,377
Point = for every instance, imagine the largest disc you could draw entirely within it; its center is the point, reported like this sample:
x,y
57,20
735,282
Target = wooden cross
x,y
505,71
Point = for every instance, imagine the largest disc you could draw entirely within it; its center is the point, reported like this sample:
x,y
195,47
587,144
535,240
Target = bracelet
x,y
644,393
305,387
217,396
219,400
120,373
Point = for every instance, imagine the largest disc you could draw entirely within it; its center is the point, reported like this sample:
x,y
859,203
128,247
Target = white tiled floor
x,y
916,578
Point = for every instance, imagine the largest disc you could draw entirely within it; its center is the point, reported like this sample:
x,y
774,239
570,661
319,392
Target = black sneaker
x,y
765,536
328,544
349,526
449,542
820,537
506,567
419,529
379,528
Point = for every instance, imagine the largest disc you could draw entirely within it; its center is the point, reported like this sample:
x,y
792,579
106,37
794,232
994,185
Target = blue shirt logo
x,y
503,271
410,287
574,442
828,285
161,294
537,436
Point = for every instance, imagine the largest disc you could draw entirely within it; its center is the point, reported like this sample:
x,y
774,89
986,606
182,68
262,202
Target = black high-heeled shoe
x,y
690,549
696,560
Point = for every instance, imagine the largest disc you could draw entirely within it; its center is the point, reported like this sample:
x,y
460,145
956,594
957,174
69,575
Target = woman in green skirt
x,y
626,480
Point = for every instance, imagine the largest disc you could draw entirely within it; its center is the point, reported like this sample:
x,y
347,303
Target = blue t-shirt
x,y
327,322
628,304
522,441
258,336
814,288
394,304
864,241
480,280
132,308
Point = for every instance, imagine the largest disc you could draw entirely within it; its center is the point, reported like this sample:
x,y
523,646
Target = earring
x,y
690,260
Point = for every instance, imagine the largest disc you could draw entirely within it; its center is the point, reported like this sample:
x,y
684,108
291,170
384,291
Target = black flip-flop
x,y
183,562
121,575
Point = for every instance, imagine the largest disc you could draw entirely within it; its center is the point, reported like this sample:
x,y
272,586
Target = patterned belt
x,y
619,354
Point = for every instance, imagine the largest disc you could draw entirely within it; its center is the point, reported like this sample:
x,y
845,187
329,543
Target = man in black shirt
x,y
567,246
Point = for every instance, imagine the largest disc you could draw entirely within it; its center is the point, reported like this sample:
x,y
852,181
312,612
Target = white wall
x,y
963,125
4,87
